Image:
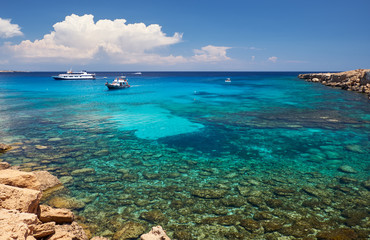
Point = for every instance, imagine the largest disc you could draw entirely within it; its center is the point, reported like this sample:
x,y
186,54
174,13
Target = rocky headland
x,y
22,217
355,80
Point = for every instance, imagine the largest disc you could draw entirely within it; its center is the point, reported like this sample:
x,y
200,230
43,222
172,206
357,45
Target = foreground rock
x,y
19,179
355,80
157,233
16,225
4,147
21,199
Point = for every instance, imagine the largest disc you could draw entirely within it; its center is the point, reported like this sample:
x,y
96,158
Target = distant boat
x,y
228,80
118,83
83,75
137,73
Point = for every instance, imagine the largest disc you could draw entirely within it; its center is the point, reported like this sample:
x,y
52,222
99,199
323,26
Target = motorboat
x,y
228,80
118,83
83,75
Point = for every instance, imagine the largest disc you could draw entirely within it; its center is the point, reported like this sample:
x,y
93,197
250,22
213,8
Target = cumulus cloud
x,y
8,30
272,59
79,37
210,53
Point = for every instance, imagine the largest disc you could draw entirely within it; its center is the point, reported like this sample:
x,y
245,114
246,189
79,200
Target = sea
x,y
265,156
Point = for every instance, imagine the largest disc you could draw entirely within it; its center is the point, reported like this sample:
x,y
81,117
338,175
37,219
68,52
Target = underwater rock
x,y
347,169
66,231
41,147
228,220
274,203
83,171
337,234
44,230
22,199
355,148
66,202
315,191
257,202
347,180
209,193
4,147
262,216
16,225
152,176
366,184
46,180
66,180
154,216
129,230
233,202
183,235
272,225
157,233
250,224
19,179
58,215
283,191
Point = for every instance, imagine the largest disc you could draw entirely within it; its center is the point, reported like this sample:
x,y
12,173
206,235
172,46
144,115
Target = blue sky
x,y
203,35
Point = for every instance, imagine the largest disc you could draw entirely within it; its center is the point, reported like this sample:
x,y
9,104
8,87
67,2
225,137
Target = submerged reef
x,y
355,80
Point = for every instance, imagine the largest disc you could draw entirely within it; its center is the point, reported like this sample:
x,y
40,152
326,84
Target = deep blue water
x,y
185,129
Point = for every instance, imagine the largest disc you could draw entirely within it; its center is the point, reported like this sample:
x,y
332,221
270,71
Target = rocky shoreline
x,y
355,80
22,217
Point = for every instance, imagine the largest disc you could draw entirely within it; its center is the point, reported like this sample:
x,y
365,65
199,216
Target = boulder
x,y
44,230
4,147
157,233
19,179
66,231
16,225
58,215
129,230
47,180
21,199
4,165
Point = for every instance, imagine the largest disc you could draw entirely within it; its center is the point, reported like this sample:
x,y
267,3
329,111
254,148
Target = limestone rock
x,y
46,180
83,171
66,202
19,179
58,215
157,233
16,225
44,230
99,238
21,199
4,147
129,230
66,231
4,165
154,216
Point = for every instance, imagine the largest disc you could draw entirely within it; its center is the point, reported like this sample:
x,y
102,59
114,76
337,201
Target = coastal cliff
x,y
355,80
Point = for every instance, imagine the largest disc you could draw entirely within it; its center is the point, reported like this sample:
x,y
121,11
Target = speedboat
x,y
118,83
228,80
83,75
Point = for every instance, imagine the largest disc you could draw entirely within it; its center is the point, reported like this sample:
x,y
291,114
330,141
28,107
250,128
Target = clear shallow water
x,y
152,147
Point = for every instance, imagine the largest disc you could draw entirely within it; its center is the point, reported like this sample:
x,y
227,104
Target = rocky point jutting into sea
x,y
355,80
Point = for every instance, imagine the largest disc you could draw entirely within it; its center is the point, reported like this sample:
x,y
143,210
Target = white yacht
x,y
83,75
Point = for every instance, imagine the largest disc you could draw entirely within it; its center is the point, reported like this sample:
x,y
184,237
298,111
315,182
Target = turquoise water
x,y
149,153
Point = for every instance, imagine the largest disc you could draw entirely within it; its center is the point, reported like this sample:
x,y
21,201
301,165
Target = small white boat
x,y
83,75
228,80
137,73
118,83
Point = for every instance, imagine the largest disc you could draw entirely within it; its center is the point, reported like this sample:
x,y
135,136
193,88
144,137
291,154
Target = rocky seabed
x,y
22,217
355,80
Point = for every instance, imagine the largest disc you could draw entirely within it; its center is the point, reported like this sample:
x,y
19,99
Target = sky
x,y
170,35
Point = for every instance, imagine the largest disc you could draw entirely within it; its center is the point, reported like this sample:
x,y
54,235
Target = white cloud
x,y
253,57
80,38
210,54
8,30
272,59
